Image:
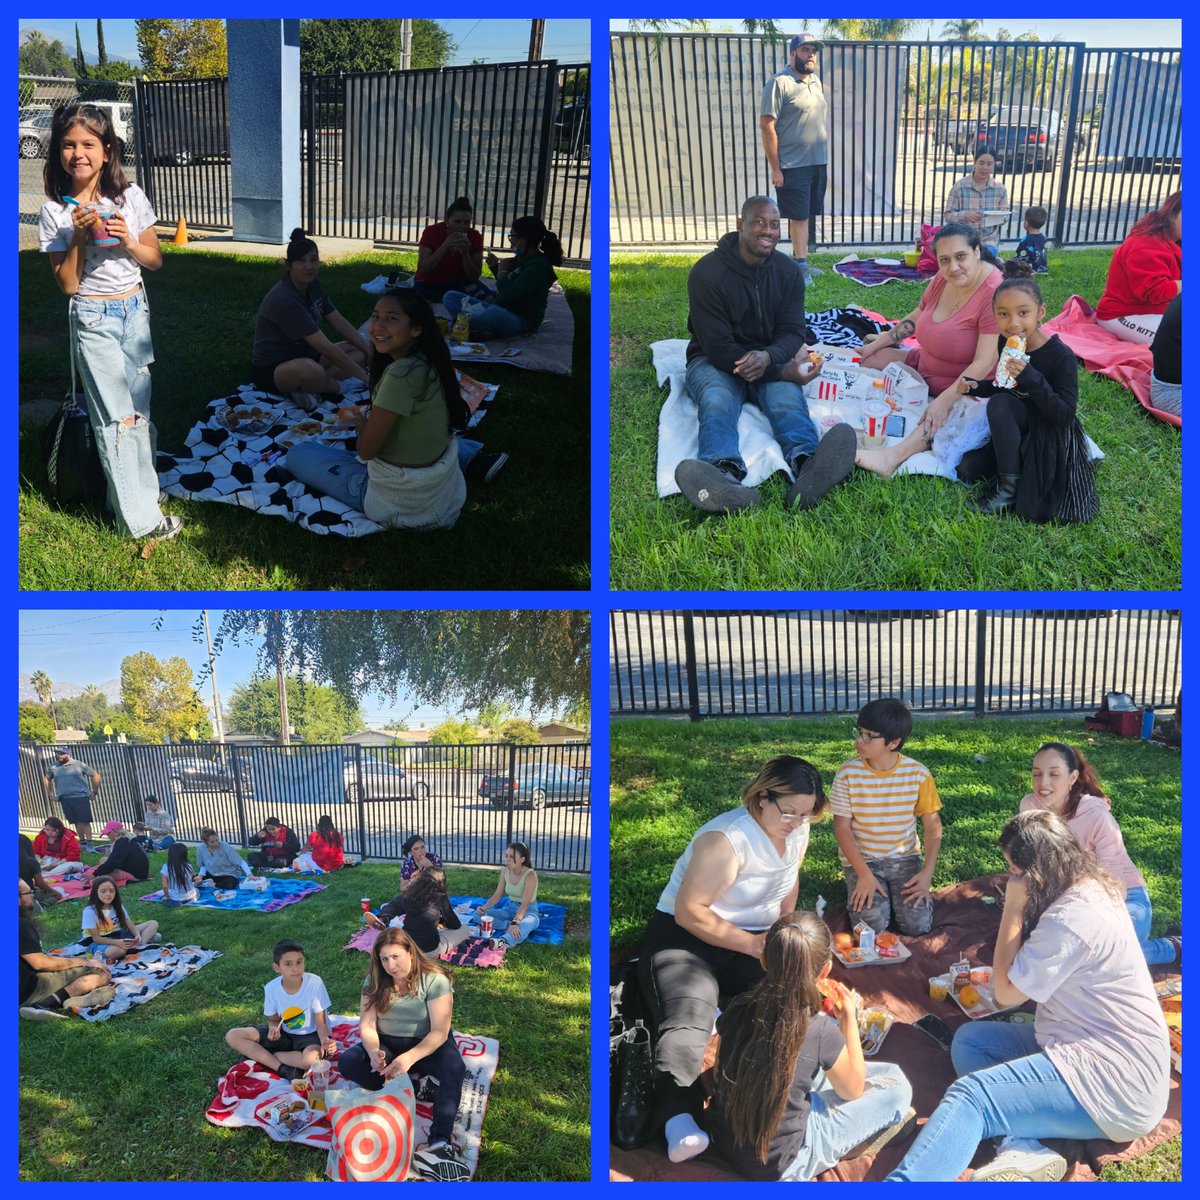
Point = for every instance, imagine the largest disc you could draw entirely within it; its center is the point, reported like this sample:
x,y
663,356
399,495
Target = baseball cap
x,y
804,39
111,827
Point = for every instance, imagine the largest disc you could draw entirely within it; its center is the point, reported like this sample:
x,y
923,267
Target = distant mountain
x,y
66,691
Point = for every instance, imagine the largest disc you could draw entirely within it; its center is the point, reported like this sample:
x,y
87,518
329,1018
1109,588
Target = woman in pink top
x,y
1065,783
956,334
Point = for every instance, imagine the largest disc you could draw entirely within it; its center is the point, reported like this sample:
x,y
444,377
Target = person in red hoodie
x,y
278,845
325,845
57,849
1145,275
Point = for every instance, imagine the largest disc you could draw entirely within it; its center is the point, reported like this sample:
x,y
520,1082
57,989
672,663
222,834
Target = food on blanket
x,y
854,955
349,414
246,418
968,996
1013,352
302,1087
476,348
873,1026
306,428
887,941
981,975
939,987
843,941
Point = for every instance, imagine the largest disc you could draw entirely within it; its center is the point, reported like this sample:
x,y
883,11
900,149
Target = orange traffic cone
x,y
180,238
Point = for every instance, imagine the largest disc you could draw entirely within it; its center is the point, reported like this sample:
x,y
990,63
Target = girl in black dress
x,y
1041,457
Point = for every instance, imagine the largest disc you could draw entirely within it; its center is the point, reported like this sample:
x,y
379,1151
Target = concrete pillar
x,y
264,128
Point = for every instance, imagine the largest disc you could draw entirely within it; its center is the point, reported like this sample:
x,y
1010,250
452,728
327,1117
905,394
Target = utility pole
x,y
406,44
537,33
212,674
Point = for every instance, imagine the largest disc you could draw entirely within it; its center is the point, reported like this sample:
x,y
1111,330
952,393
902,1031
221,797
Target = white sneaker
x,y
1022,1160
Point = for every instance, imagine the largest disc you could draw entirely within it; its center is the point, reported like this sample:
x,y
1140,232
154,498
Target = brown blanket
x,y
963,926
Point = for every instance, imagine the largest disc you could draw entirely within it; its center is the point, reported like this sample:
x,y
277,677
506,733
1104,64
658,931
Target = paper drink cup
x,y
875,412
486,925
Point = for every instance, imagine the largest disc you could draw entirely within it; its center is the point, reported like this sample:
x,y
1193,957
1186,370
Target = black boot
x,y
632,1119
1002,499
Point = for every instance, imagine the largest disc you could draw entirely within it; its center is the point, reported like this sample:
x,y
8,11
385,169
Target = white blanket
x,y
679,429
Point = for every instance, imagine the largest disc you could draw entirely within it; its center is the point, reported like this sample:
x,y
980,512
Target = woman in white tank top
x,y
738,875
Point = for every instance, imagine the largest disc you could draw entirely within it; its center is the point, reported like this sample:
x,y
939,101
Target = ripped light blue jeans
x,y
113,351
503,913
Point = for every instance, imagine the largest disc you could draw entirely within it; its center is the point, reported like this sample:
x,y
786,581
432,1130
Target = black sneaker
x,y
830,463
441,1162
709,489
485,467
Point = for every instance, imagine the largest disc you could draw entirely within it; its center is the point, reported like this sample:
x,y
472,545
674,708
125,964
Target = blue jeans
x,y
1006,1086
719,397
1156,950
503,912
913,920
836,1126
114,352
335,472
492,322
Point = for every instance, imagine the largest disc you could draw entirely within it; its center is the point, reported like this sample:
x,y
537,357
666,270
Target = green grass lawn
x,y
530,529
910,532
125,1099
669,777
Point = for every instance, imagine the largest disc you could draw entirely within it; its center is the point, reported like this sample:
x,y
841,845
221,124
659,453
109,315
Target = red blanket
x,y
1106,354
963,926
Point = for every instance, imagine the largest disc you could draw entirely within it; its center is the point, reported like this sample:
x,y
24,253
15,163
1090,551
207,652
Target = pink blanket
x,y
1106,354
471,953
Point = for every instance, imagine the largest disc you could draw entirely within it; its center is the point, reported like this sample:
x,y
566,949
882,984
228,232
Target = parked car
x,y
382,781
572,130
535,787
194,774
1025,139
33,132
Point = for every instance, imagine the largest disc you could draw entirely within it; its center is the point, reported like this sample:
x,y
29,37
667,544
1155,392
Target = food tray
x,y
992,215
468,350
872,1036
874,960
987,1006
247,419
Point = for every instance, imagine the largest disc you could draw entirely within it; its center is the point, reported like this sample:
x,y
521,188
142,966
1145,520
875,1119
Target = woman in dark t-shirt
x,y
291,354
783,1067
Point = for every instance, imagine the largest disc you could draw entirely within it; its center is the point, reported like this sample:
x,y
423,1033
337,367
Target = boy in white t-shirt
x,y
297,1030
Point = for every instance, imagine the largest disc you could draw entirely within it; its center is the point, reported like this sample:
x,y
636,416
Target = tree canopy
x,y
539,661
182,49
40,56
34,724
160,700
332,45
317,713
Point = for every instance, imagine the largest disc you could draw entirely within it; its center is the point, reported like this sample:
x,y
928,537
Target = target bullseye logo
x,y
375,1140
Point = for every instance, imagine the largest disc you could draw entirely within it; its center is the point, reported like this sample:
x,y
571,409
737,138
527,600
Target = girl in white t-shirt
x,y
108,925
1095,1064
98,229
179,880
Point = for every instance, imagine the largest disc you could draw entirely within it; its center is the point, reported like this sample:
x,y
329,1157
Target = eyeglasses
x,y
865,734
784,815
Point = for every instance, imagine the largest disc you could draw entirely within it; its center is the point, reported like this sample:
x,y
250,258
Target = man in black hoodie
x,y
746,318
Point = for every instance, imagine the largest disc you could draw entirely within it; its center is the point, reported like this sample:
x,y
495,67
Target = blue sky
x,y
82,647
1095,34
490,40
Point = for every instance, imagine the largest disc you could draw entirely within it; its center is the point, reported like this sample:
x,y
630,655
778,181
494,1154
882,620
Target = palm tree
x,y
699,25
962,31
867,30
43,685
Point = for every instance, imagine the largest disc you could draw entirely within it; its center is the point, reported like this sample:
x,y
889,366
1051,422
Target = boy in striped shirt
x,y
876,799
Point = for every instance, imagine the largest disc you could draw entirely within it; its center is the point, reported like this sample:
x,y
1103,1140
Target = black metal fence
x,y
456,797
384,154
1092,135
708,663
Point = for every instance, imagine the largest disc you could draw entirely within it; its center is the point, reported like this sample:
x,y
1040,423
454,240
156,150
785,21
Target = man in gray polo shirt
x,y
74,785
792,123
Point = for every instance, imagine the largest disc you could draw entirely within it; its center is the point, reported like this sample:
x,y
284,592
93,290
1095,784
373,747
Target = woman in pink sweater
x,y
1065,783
1145,275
